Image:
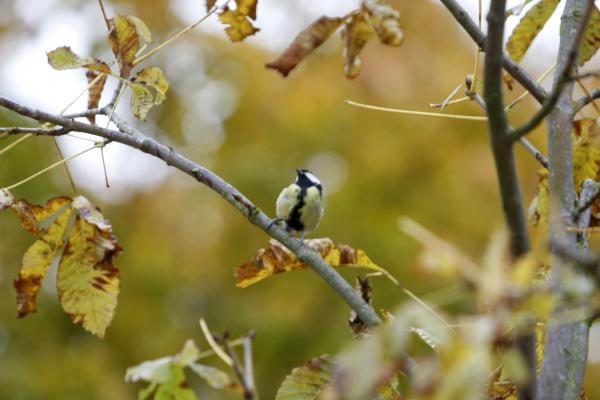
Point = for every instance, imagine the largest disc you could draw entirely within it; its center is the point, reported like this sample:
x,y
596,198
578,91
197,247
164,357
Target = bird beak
x,y
299,171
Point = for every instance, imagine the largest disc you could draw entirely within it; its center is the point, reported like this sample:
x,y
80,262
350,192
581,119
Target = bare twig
x,y
585,100
562,79
523,141
240,372
210,339
419,113
587,197
462,17
135,139
510,191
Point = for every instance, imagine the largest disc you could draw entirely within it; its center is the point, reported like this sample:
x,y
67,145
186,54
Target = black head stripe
x,y
306,179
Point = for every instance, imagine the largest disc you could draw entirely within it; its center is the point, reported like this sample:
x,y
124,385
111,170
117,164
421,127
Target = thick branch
x,y
478,37
134,138
565,354
510,190
563,77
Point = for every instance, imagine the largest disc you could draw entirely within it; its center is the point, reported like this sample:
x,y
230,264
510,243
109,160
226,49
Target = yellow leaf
x,y
153,77
386,22
306,41
126,35
356,33
88,283
528,28
40,255
239,26
247,7
308,380
36,219
277,258
586,151
540,205
141,100
64,58
591,37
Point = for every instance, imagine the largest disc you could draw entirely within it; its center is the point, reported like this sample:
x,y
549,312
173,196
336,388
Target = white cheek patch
x,y
312,178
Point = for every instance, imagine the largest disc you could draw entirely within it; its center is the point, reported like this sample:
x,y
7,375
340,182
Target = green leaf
x,y
591,38
154,78
175,388
63,58
305,43
528,28
141,100
308,381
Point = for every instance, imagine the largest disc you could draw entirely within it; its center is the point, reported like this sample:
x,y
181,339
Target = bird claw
x,y
273,222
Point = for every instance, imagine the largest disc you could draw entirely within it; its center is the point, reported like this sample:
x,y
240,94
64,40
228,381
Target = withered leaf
x,y
529,27
356,33
74,232
591,37
95,90
386,21
154,78
210,4
126,35
247,7
306,41
238,24
364,289
277,258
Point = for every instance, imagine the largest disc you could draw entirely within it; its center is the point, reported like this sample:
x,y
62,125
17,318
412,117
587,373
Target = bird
x,y
299,205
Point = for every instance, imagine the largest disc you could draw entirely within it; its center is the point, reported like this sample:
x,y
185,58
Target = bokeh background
x,y
253,128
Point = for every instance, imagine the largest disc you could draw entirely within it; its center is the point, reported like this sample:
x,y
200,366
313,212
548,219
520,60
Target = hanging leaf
x,y
529,27
356,33
95,90
141,100
210,4
88,282
586,151
591,37
238,22
277,258
304,44
154,78
76,234
64,58
49,224
386,21
308,381
126,36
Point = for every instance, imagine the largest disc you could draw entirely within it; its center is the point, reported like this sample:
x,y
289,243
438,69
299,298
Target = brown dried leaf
x,y
364,289
277,258
306,41
126,35
247,7
386,21
95,90
210,4
356,33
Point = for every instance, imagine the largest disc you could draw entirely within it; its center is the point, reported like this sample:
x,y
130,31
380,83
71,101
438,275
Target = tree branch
x,y
461,16
585,100
133,138
510,190
564,77
565,353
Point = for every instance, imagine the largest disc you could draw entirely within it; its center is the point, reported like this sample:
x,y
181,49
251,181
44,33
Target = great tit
x,y
299,205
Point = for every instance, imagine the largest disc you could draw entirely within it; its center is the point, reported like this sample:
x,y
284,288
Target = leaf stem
x,y
420,113
56,164
15,143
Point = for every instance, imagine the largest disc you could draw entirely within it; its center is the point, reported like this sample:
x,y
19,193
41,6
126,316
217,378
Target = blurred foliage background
x,y
253,128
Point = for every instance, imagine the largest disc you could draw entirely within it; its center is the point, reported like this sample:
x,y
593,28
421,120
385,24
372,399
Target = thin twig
x,y
104,14
447,103
249,364
585,100
594,192
178,34
66,167
523,141
56,164
563,78
588,94
520,75
526,93
10,131
419,113
240,372
213,344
